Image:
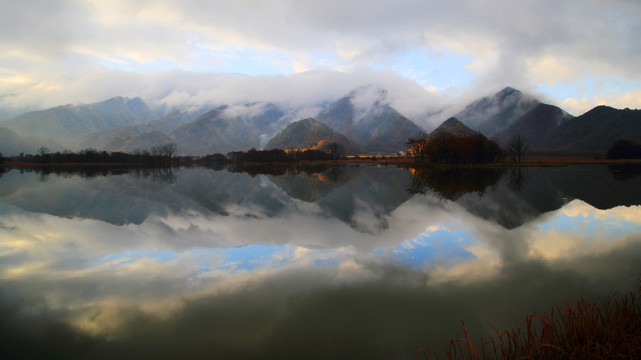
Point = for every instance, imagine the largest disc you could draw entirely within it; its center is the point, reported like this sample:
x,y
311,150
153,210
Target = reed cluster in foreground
x,y
581,330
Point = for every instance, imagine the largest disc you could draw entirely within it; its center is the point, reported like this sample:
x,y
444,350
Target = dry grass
x,y
581,330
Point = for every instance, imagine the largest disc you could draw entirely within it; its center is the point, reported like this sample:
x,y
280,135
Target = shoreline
x,y
534,161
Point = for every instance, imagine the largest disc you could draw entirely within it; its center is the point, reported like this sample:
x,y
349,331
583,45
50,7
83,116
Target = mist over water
x,y
347,262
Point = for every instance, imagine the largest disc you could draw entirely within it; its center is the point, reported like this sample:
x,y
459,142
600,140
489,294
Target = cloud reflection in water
x,y
188,281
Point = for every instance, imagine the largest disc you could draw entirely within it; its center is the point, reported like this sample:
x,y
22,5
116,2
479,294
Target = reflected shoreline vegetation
x,y
350,261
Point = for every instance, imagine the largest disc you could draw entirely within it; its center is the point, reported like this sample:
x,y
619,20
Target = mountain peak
x,y
454,126
371,89
492,114
451,122
368,97
507,91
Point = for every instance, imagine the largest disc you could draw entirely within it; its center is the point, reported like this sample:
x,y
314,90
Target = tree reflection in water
x,y
452,182
518,179
160,174
218,264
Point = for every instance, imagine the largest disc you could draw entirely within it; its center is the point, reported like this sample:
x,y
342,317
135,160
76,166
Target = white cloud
x,y
578,106
72,51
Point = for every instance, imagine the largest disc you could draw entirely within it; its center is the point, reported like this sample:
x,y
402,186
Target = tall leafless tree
x,y
517,148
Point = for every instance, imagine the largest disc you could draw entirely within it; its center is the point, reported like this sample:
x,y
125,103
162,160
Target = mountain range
x,y
361,122
69,122
548,129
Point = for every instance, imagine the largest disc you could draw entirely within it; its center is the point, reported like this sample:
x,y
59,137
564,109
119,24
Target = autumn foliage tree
x,y
416,145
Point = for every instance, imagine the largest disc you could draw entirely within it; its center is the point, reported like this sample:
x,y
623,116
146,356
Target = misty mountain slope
x,y
495,113
12,143
165,124
593,132
311,133
144,141
363,117
386,130
534,126
70,122
227,128
9,112
339,116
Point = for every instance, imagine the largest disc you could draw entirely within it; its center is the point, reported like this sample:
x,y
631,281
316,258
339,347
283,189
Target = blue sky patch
x,y
440,245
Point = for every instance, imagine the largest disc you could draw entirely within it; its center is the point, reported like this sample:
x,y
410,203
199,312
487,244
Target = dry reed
x,y
581,330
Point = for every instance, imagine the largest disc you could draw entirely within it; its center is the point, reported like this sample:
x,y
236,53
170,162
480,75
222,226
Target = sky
x,y
429,54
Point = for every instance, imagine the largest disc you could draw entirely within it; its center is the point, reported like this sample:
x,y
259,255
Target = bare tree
x,y
335,150
43,150
168,150
517,148
165,151
44,154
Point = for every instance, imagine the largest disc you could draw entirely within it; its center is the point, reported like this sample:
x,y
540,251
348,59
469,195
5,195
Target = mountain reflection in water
x,y
342,262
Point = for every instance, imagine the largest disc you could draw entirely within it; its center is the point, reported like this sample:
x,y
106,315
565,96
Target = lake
x,y
356,261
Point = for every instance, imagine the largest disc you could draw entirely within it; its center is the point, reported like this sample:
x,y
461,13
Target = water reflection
x,y
333,262
452,182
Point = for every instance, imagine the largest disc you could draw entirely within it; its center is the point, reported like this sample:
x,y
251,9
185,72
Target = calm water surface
x,y
349,262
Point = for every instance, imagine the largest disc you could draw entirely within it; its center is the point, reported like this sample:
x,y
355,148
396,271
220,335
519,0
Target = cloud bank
x,y
576,53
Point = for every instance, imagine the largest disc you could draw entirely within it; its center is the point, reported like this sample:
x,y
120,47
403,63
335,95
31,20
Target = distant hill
x,y
165,125
12,143
8,112
492,114
455,127
534,126
593,132
70,122
144,141
374,125
311,133
547,129
227,128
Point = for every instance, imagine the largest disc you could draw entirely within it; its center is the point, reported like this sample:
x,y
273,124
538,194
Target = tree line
x,y
165,154
455,149
161,154
624,149
273,156
449,148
